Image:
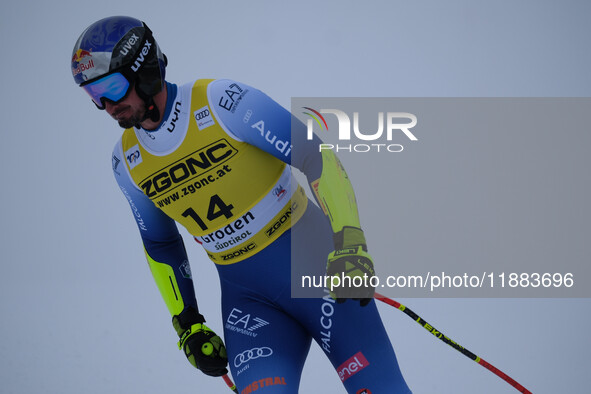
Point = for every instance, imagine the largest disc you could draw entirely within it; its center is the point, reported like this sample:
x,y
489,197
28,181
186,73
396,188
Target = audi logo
x,y
247,116
252,354
202,114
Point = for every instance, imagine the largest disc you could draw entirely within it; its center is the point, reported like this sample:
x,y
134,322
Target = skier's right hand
x,y
204,349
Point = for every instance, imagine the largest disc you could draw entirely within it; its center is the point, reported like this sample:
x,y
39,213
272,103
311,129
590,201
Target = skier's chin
x,y
131,121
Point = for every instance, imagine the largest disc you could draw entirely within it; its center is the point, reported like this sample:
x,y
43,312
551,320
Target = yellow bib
x,y
233,197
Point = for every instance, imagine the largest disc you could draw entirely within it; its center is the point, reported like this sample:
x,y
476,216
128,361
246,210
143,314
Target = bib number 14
x,y
217,207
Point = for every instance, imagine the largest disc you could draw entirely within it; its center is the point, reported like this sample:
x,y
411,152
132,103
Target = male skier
x,y
215,156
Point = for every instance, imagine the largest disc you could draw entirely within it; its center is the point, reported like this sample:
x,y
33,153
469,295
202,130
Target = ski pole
x,y
229,382
451,343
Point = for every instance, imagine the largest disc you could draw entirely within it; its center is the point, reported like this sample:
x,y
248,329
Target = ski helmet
x,y
114,54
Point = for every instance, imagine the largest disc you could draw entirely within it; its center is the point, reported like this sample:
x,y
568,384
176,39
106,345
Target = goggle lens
x,y
113,87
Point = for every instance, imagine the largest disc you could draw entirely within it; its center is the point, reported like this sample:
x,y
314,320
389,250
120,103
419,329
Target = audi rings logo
x,y
203,118
252,354
202,114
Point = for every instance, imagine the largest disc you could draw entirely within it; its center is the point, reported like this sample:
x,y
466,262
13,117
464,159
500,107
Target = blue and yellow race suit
x,y
220,165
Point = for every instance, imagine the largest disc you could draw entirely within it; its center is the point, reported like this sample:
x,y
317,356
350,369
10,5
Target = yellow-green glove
x,y
350,267
204,349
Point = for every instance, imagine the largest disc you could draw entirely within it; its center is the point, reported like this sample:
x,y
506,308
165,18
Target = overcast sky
x,y
80,311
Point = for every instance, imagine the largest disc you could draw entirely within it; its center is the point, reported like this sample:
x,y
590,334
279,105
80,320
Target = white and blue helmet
x,y
114,54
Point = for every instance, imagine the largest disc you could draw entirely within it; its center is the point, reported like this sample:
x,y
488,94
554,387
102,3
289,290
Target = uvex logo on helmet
x,y
129,44
142,56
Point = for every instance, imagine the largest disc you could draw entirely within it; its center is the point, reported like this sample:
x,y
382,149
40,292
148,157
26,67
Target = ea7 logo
x,y
231,98
133,156
344,123
242,323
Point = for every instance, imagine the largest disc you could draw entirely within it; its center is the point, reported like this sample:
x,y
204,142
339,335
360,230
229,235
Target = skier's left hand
x,y
350,268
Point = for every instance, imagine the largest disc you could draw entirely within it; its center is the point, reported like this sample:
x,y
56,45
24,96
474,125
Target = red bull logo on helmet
x,y
77,61
80,54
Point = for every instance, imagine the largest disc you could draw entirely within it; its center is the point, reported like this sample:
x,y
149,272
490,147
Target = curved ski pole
x,y
230,384
451,343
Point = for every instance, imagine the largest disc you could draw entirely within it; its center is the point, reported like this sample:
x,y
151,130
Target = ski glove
x,y
204,349
350,267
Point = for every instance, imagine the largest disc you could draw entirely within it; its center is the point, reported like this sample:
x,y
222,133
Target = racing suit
x,y
220,165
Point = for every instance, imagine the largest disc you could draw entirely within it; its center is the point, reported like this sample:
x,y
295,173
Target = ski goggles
x,y
113,87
